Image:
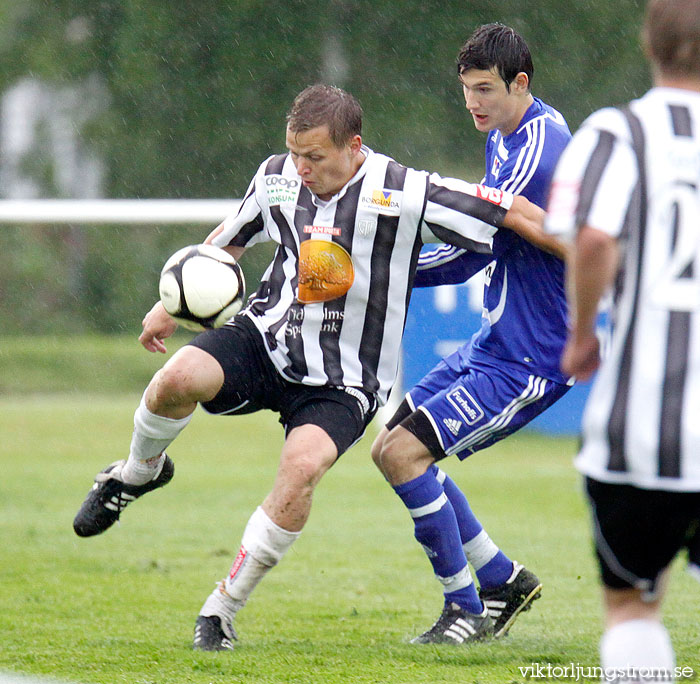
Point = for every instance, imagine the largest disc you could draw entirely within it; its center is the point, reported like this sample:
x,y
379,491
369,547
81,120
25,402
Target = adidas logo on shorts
x,y
453,425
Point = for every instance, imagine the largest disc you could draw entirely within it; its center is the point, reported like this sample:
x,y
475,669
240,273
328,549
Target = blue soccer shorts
x,y
461,407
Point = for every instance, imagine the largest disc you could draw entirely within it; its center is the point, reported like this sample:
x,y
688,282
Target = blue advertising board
x,y
440,319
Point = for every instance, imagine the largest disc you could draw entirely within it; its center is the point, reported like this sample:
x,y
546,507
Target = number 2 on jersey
x,y
677,286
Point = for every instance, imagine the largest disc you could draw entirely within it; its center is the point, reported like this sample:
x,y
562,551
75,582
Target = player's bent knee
x,y
307,454
393,447
403,456
389,456
191,375
303,470
376,450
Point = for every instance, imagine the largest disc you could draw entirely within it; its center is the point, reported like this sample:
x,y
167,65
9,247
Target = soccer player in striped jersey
x,y
509,371
318,341
628,190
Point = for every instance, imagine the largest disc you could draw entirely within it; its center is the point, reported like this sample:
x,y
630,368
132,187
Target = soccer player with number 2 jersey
x,y
628,191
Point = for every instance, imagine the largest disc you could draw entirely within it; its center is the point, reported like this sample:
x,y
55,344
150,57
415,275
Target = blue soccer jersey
x,y
524,306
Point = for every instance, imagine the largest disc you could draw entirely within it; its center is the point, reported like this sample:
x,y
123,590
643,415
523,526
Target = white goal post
x,y
116,211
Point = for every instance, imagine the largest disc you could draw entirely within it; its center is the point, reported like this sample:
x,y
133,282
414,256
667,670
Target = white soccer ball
x,y
202,286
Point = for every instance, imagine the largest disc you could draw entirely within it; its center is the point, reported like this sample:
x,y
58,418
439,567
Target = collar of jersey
x,y
536,109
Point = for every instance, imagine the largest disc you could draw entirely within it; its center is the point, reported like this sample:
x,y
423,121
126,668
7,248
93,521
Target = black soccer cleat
x,y
508,600
457,626
213,633
109,496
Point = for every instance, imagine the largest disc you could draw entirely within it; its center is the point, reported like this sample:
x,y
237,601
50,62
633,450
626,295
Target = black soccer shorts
x,y
252,383
638,532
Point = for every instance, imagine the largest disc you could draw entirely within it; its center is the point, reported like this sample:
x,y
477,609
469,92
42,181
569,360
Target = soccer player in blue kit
x,y
507,374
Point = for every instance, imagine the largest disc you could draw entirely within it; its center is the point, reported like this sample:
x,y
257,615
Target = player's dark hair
x,y
325,105
671,36
499,46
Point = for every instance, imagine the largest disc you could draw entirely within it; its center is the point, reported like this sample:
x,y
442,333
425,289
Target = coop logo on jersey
x,y
281,189
384,201
493,195
465,405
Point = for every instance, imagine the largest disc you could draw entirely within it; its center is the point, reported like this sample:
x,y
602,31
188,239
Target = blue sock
x,y
491,565
435,528
495,572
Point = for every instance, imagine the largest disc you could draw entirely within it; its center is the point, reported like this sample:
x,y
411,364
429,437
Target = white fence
x,y
116,211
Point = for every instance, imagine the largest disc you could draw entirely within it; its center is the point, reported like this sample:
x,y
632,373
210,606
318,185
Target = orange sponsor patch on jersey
x,y
326,271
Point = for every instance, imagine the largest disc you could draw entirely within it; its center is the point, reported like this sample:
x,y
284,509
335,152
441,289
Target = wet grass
x,y
341,606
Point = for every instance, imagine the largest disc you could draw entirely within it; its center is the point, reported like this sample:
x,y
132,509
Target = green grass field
x,y
340,607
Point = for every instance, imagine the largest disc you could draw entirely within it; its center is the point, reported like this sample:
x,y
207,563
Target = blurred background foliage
x,y
162,99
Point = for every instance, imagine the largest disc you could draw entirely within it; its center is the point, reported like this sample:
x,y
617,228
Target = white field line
x,y
8,678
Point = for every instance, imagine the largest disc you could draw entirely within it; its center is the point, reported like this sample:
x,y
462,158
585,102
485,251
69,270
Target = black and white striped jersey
x,y
331,305
642,420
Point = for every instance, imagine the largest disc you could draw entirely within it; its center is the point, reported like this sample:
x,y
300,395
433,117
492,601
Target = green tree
x,y
196,94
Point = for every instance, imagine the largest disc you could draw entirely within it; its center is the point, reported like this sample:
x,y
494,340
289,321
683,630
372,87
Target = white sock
x,y
636,644
152,434
480,550
262,547
460,580
219,603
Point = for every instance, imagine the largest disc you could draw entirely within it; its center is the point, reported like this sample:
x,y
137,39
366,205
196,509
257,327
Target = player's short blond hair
x,y
325,105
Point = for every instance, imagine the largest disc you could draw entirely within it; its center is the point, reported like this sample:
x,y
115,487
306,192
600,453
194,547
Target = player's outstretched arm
x,y
235,252
527,220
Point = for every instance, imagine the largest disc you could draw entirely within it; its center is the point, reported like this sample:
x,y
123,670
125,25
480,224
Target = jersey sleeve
x,y
529,168
247,226
594,179
463,214
449,265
